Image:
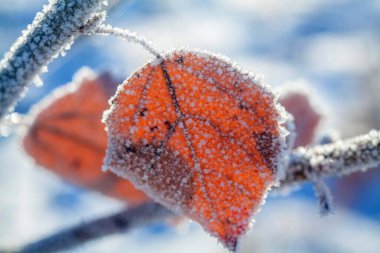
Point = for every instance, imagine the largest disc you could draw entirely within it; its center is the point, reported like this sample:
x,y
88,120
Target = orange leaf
x,y
68,137
199,135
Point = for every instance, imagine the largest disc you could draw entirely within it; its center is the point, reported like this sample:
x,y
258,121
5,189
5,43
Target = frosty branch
x,y
334,159
52,31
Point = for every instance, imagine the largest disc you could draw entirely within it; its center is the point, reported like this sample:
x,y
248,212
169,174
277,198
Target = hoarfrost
x,y
38,81
8,123
337,158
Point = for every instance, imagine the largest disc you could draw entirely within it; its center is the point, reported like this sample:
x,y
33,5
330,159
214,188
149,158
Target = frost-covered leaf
x,y
297,99
201,136
67,136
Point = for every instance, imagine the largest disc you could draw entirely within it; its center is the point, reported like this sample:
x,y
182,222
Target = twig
x,y
127,35
117,223
53,30
334,159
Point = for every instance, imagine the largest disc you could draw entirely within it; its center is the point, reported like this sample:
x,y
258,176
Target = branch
x,y
117,223
52,32
306,164
334,159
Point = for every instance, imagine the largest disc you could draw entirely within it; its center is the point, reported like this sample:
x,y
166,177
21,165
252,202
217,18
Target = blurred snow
x,y
28,212
295,226
34,202
339,53
268,9
334,45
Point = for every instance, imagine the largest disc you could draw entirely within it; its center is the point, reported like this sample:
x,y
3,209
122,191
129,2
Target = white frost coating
x,y
38,81
291,127
290,133
53,31
8,123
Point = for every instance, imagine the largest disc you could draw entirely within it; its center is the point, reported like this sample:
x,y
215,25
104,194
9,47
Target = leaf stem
x,y
127,35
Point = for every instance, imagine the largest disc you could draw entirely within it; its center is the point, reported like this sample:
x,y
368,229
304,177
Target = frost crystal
x,y
53,30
